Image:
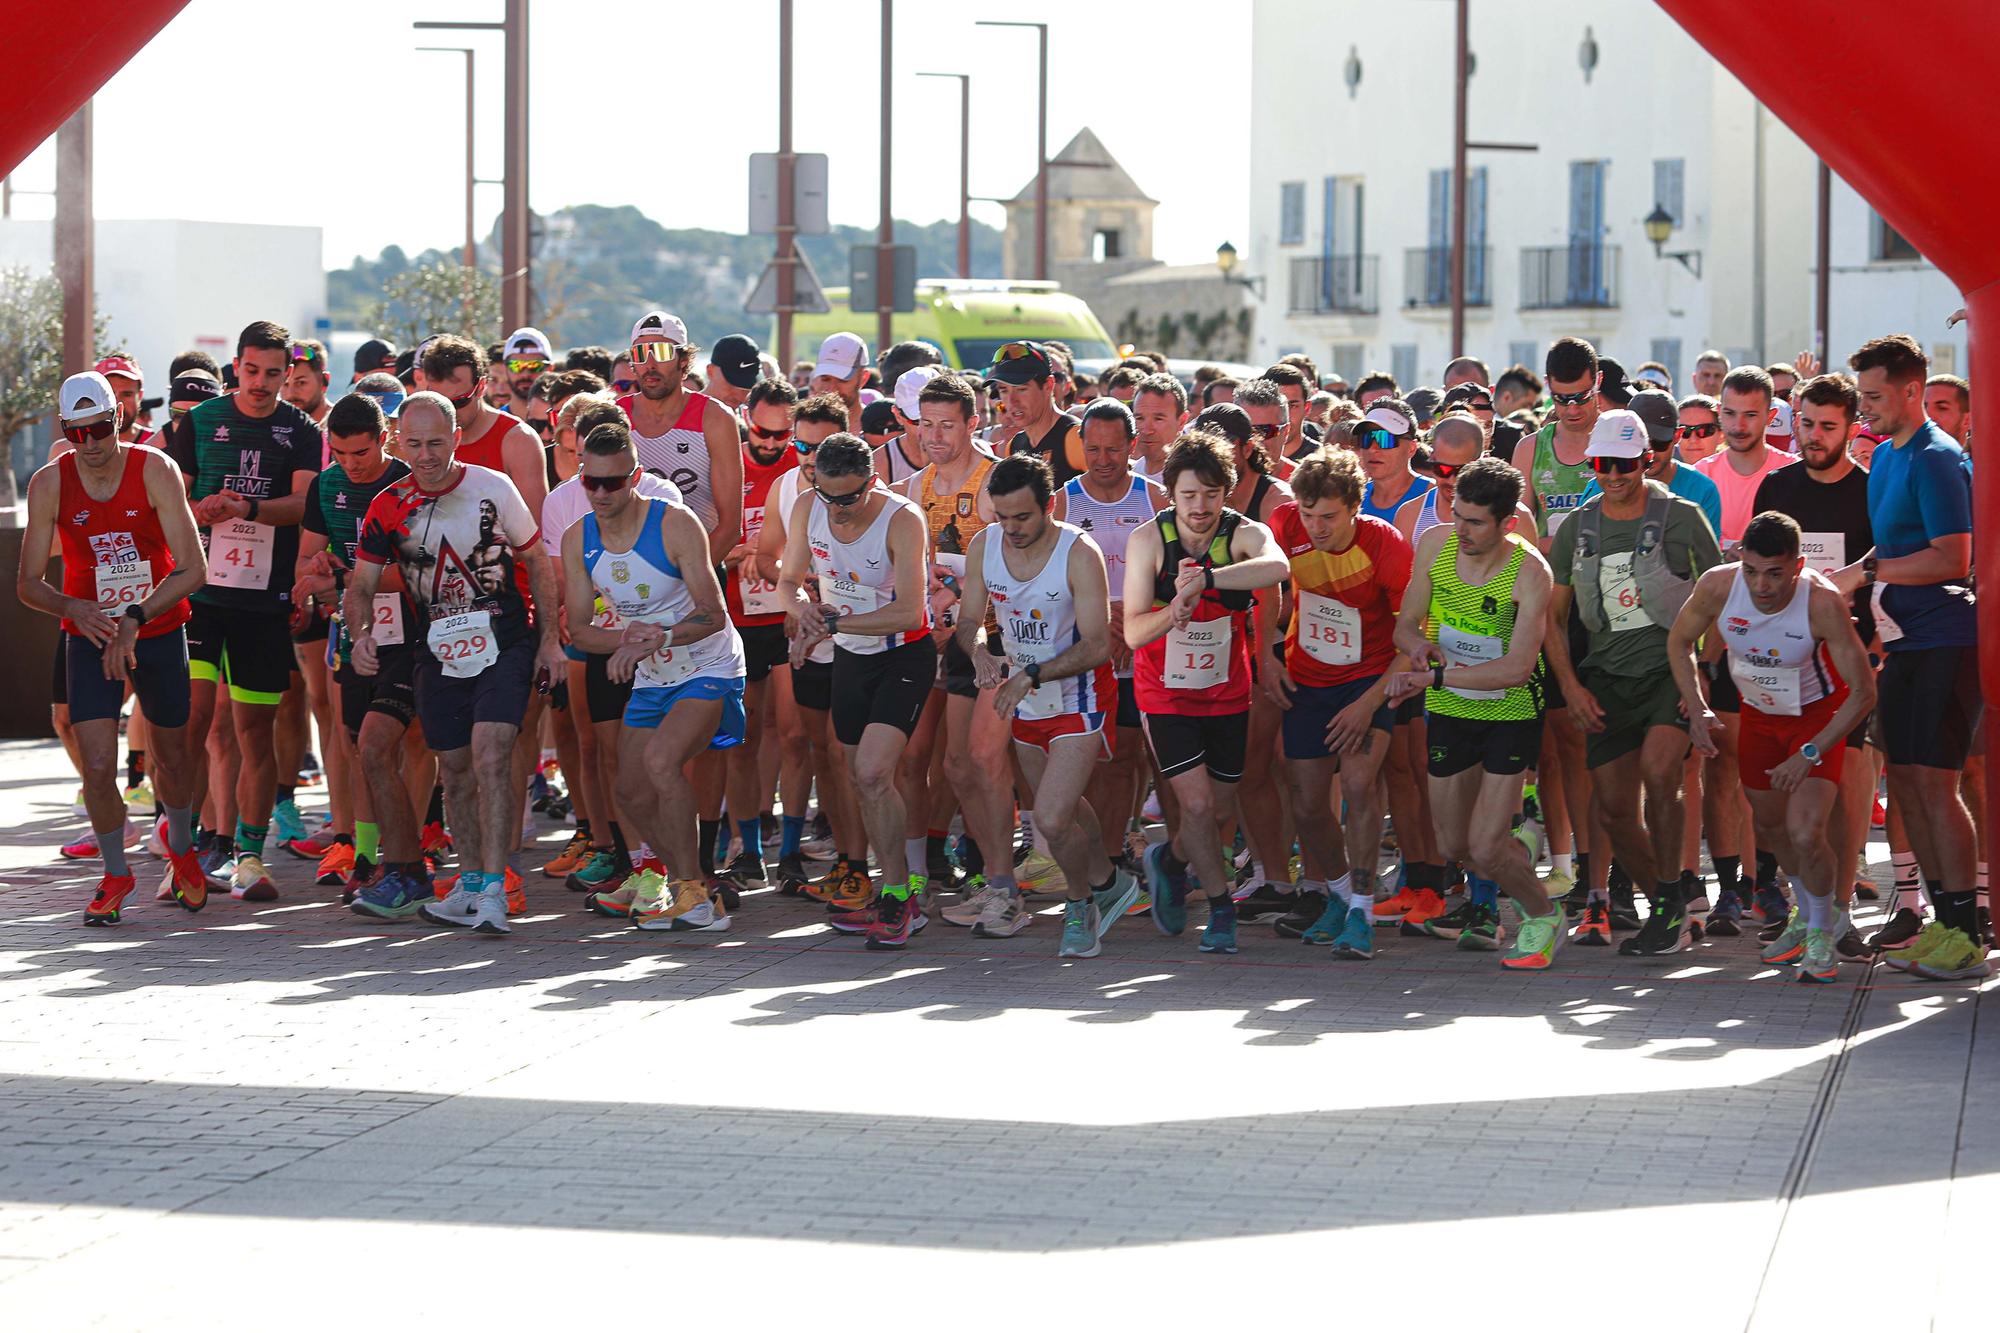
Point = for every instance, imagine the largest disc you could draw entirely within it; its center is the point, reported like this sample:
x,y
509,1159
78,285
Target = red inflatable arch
x,y
59,57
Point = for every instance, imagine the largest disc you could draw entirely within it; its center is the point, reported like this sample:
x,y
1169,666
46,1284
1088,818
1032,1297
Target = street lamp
x,y
471,172
1041,142
1225,259
964,167
1659,225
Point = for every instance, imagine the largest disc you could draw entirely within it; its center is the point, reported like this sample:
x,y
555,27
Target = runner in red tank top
x,y
131,555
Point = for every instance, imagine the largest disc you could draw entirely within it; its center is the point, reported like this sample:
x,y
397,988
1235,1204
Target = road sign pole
x,y
885,262
787,217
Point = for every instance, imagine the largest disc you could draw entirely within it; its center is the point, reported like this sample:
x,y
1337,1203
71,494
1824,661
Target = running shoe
x,y
1307,908
139,793
792,877
489,913
1624,907
1005,916
1930,937
1772,905
1956,957
694,907
968,909
1724,916
1356,938
156,841
1817,962
286,823
1400,904
1695,894
1897,932
1879,816
850,892
434,840
251,882
746,872
336,865
1771,930
1536,941
83,849
1219,935
615,901
601,871
1576,899
1595,928
514,892
1483,935
1332,919
1116,901
458,908
1448,925
308,848
185,882
1037,873
109,900
1558,884
896,920
1660,935
1849,945
1791,942
540,792
394,896
1169,891
818,844
1080,930
1150,810
574,855
218,864
365,872
858,922
1429,905
1264,902
1865,890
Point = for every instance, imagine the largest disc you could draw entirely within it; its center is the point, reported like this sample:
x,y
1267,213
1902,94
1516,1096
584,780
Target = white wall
x,y
1869,298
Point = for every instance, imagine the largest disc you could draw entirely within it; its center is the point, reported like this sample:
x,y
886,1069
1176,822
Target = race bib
x,y
1463,648
1772,690
1198,654
1824,551
759,596
1045,700
1619,591
123,585
671,665
852,599
388,623
1329,629
1885,624
239,554
463,643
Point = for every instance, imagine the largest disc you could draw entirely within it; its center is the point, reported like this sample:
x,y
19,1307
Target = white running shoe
x,y
970,911
489,912
1004,917
458,908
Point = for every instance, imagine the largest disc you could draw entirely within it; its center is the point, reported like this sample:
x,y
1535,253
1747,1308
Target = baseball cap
x,y
530,341
373,355
842,356
120,365
1618,433
879,418
1391,420
910,388
406,365
1424,401
1654,376
736,356
1613,383
1020,363
1781,424
1655,410
193,386
85,395
659,324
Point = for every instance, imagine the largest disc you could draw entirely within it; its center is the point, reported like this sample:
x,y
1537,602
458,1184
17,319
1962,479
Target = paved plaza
x,y
286,1116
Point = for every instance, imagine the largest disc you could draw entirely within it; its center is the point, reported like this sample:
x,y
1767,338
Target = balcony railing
x,y
1341,285
1555,277
1427,276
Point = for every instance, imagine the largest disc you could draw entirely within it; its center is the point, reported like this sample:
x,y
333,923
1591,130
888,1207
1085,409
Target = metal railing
x,y
1427,275
1555,277
1343,284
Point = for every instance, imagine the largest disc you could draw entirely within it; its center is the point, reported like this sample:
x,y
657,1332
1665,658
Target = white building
x,y
1350,206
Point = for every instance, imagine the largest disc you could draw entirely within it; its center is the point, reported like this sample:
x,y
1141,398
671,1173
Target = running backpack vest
x,y
1217,556
1662,593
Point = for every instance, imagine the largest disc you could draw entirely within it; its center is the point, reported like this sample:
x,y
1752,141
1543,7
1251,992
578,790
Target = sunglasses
x,y
660,351
1577,399
1446,471
853,497
471,396
1661,446
543,428
96,430
1267,431
1374,437
1697,432
526,365
624,386
758,432
1016,352
301,352
1616,466
608,484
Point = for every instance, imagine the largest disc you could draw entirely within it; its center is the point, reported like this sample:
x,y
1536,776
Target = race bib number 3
x,y
123,585
1329,630
239,554
463,644
1198,654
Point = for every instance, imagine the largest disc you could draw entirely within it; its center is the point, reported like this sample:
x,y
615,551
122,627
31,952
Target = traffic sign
x,y
807,296
808,194
862,260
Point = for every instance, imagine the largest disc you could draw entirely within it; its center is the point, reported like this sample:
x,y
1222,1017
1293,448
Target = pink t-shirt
x,y
1739,492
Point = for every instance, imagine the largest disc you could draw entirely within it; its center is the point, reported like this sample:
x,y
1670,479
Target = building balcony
x,y
1561,277
1340,285
1427,276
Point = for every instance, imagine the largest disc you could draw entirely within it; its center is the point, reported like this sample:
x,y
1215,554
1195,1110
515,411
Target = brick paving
x,y
258,1103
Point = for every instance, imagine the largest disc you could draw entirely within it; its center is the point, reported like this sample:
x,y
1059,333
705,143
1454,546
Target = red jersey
x,y
751,600
485,451
1344,621
114,551
1202,669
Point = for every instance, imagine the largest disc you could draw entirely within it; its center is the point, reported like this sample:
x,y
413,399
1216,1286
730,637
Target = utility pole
x,y
788,222
76,263
1823,273
471,260
1041,140
885,241
964,168
1459,266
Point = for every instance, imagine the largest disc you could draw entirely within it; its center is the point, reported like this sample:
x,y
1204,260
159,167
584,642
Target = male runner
x,y
1159,414
1026,374
1196,568
1657,411
1805,685
254,457
1472,626
525,357
648,561
1045,583
1747,408
465,543
130,557
841,369
686,435
866,545
1385,441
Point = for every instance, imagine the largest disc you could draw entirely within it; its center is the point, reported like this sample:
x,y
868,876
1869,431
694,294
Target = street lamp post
x,y
964,167
1041,141
885,237
471,171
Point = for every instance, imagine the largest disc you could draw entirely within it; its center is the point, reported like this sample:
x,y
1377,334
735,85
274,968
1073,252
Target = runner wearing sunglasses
x,y
685,434
1025,372
130,557
1656,409
525,357
1385,439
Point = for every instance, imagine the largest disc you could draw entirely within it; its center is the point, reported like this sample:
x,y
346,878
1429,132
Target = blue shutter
x,y
1437,258
1475,237
1586,233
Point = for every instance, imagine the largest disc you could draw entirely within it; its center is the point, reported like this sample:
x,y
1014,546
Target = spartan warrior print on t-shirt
x,y
459,549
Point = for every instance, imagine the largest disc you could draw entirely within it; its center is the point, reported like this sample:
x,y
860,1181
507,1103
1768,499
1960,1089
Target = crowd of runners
x,y
925,644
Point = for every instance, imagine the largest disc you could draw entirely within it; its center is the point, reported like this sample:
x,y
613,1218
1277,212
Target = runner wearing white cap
x,y
525,357
841,368
903,456
686,435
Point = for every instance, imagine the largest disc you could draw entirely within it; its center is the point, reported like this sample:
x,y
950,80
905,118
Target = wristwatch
x,y
1811,752
136,612
254,506
1208,579
1033,671
1437,674
1867,569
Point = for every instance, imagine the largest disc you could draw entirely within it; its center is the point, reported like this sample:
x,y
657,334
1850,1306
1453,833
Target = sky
x,y
659,107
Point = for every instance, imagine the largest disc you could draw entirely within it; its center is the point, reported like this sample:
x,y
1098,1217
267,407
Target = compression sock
x,y
752,833
915,850
706,844
286,793
180,829
1728,874
367,840
793,833
111,846
250,838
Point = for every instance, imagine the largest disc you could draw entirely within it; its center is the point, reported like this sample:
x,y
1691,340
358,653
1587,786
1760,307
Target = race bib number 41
x,y
239,554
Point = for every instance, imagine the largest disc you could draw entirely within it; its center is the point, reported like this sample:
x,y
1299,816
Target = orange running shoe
x,y
1429,905
1398,907
185,883
574,853
517,893
109,901
853,893
336,865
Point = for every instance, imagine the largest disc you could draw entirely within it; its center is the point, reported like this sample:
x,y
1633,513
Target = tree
x,y
439,297
31,360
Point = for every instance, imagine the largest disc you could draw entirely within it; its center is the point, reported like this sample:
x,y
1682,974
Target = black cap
x,y
192,386
375,354
1612,382
1657,412
1423,400
406,365
879,418
737,357
1029,363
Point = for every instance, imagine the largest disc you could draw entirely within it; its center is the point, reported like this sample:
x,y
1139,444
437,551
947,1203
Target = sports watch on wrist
x,y
1811,752
1033,671
136,612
